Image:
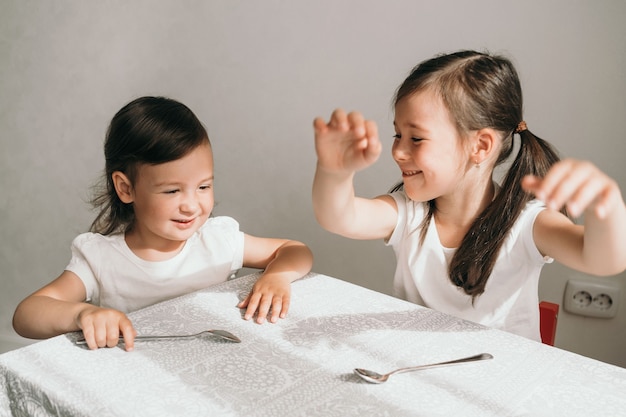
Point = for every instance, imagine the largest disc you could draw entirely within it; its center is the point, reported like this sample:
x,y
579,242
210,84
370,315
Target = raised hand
x,y
578,186
347,143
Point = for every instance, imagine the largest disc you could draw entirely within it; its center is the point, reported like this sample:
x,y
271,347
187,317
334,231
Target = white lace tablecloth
x,y
303,365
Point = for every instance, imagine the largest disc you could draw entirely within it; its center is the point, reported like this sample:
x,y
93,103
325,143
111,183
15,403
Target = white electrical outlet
x,y
593,299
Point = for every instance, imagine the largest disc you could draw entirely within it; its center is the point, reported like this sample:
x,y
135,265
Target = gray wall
x,y
257,73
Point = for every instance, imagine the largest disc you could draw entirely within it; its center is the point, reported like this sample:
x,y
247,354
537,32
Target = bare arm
x,y
344,146
283,261
598,247
59,308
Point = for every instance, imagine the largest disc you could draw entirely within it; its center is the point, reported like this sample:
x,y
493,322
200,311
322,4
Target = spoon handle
x,y
474,358
82,341
182,336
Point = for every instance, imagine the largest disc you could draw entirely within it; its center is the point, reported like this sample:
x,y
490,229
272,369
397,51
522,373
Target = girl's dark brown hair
x,y
148,130
483,91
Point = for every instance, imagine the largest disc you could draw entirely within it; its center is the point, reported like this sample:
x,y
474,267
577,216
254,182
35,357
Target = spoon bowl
x,y
222,334
376,378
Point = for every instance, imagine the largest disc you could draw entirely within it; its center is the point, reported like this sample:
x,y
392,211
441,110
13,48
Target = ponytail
x,y
475,258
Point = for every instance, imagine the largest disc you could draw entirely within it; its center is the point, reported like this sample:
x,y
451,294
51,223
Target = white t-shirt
x,y
510,301
115,277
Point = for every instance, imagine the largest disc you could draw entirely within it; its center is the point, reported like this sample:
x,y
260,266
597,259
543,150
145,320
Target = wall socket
x,y
592,299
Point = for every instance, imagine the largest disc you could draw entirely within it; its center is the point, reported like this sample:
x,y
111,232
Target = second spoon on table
x,y
376,378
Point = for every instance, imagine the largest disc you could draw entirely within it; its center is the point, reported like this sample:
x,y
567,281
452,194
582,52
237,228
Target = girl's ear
x,y
123,187
485,141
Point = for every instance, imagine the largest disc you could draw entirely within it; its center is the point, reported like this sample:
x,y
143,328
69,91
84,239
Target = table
x,y
303,365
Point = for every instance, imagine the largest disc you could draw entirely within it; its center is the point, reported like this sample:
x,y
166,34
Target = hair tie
x,y
521,127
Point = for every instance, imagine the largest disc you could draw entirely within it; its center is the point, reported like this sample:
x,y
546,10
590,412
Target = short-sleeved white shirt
x,y
510,301
115,277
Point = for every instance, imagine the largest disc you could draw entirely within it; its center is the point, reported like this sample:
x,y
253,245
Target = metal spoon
x,y
222,334
376,378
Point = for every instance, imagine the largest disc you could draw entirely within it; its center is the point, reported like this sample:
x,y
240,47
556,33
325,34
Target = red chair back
x,y
548,316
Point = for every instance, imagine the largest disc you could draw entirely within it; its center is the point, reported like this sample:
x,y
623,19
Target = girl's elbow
x,y
301,251
19,323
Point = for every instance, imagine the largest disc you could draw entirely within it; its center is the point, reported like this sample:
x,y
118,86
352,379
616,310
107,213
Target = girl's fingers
x,y
280,307
545,188
319,125
347,143
530,183
374,147
265,302
103,327
608,198
128,332
100,336
286,300
343,122
260,305
277,307
263,310
577,185
357,124
564,191
90,338
244,302
585,196
251,303
339,120
113,334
